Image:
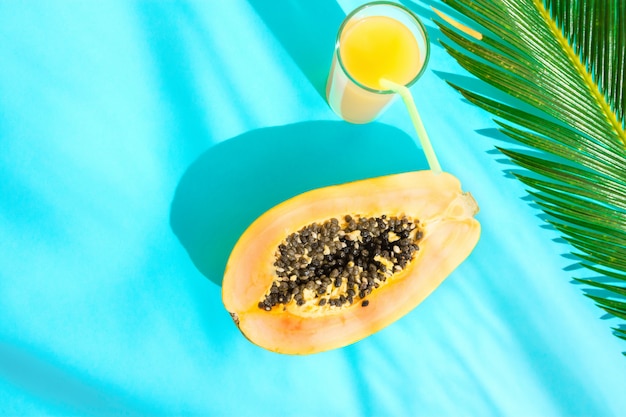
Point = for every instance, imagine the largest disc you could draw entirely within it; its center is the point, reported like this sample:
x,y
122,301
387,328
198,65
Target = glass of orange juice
x,y
378,40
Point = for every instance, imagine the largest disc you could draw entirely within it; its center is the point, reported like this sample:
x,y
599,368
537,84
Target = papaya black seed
x,y
321,257
365,303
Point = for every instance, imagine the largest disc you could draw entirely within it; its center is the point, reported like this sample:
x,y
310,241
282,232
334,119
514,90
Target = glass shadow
x,y
235,181
307,30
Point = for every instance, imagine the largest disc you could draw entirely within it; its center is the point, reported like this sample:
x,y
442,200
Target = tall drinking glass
x,y
379,40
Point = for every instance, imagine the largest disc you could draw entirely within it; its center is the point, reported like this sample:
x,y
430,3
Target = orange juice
x,y
377,41
378,47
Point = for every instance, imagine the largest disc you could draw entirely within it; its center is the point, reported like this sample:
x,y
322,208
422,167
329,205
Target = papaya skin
x,y
450,232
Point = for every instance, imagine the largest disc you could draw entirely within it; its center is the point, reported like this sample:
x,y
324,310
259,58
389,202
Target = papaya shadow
x,y
232,183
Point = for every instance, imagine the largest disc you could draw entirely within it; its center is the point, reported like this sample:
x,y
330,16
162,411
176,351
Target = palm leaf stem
x,y
582,70
565,60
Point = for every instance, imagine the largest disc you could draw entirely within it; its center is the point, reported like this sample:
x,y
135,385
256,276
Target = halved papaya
x,y
334,265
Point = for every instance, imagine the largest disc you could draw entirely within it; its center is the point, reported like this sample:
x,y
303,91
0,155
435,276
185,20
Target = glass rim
x,y
411,15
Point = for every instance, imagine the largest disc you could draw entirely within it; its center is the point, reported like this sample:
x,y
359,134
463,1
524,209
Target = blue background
x,y
139,138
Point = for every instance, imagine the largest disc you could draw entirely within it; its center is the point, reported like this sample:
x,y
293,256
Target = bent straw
x,y
405,93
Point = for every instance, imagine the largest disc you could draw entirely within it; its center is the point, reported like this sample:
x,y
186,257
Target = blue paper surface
x,y
127,127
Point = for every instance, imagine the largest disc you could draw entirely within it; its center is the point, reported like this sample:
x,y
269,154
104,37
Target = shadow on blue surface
x,y
426,14
496,134
167,24
235,181
43,377
307,31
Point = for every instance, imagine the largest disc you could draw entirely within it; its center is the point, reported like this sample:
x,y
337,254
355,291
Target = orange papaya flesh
x,y
400,235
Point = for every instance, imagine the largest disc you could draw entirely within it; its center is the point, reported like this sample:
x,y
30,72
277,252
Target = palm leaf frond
x,y
562,62
613,288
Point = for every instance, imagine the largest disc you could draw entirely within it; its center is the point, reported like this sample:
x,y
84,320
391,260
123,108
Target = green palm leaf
x,y
565,59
